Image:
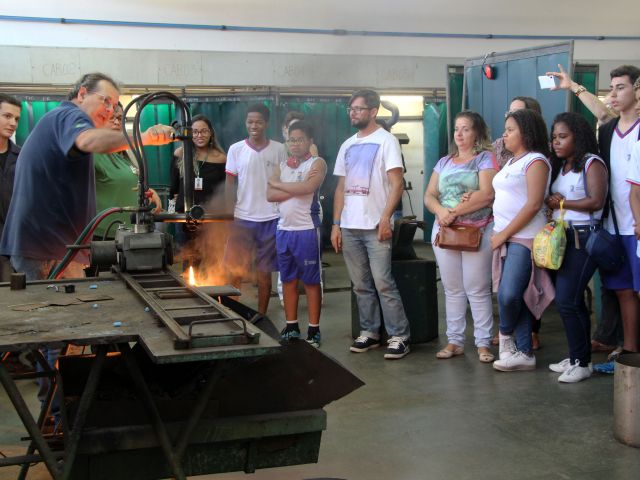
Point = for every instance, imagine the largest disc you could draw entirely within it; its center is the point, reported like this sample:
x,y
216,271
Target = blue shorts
x,y
299,255
628,276
245,238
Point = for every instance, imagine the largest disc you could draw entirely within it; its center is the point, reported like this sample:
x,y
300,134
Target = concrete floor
x,y
422,418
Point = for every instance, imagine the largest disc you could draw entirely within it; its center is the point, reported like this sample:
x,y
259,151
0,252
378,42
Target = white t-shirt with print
x,y
571,186
253,168
364,162
511,194
620,158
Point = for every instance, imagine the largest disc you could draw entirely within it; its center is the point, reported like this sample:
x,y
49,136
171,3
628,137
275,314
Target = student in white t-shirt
x,y
250,164
616,140
634,196
573,144
295,187
520,187
633,176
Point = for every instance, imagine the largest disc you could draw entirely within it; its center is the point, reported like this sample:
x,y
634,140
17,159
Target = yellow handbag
x,y
550,243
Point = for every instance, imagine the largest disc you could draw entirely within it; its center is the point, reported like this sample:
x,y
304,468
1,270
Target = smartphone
x,y
547,81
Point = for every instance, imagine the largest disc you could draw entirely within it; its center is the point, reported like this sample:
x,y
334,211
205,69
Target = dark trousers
x,y
571,283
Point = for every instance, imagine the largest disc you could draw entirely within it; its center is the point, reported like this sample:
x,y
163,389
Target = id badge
x,y
172,206
198,183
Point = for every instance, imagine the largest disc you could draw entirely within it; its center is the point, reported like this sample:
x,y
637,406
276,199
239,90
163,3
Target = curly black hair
x,y
533,130
584,142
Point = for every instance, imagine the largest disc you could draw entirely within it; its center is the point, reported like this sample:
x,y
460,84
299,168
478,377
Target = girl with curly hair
x,y
520,188
579,179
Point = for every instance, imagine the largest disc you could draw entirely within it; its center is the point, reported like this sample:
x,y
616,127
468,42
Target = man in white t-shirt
x,y
369,170
250,164
616,140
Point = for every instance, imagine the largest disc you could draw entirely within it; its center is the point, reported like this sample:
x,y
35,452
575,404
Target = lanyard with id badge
x,y
198,182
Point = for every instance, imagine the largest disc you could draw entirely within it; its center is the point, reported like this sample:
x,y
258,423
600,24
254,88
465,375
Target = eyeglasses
x,y
203,132
296,141
106,101
357,109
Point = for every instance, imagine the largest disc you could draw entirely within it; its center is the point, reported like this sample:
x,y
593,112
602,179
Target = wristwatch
x,y
579,90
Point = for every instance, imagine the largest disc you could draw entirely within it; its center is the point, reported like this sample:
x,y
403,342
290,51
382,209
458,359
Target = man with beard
x,y
369,170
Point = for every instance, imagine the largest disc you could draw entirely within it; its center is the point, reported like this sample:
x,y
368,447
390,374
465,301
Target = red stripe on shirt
x,y
536,160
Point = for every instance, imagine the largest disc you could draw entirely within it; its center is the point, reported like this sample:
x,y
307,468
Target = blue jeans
x,y
369,264
515,317
571,282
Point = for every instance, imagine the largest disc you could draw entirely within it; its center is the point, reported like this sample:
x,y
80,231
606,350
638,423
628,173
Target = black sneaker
x,y
397,348
362,344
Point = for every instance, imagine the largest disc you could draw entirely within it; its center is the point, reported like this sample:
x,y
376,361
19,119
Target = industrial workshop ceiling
x,y
440,28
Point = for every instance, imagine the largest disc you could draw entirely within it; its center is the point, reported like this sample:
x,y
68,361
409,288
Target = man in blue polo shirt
x,y
54,188
54,194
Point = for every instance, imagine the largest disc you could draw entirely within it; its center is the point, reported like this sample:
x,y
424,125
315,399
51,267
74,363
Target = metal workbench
x,y
230,418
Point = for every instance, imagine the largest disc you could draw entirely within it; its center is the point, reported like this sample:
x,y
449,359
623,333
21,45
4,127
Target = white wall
x,y
32,52
343,60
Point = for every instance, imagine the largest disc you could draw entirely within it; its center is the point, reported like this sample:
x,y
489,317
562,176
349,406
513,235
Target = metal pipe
x,y
313,31
25,459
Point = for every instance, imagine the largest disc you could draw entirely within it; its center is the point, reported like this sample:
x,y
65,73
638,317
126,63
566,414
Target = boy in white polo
x,y
295,186
250,164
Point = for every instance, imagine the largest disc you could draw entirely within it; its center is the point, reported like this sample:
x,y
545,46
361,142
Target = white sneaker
x,y
575,373
560,367
565,365
516,361
507,346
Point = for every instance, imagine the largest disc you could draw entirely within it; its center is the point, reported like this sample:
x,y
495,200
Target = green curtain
x,y
228,114
456,82
588,78
435,147
30,115
158,158
328,115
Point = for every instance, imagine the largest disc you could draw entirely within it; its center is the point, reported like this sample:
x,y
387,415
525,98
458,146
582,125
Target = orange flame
x,y
192,277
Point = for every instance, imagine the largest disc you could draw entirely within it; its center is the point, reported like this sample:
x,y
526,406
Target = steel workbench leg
x,y
201,403
54,389
83,408
147,399
29,423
